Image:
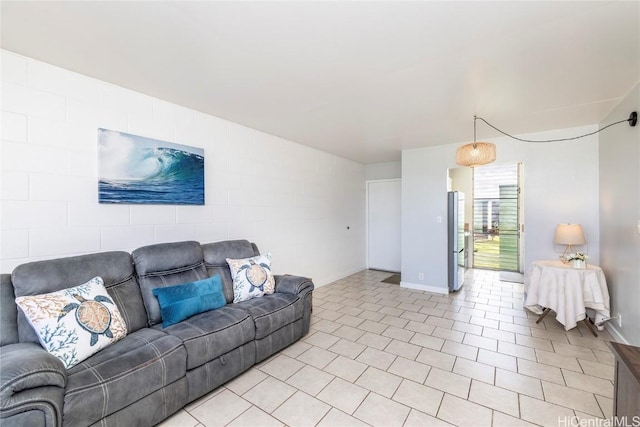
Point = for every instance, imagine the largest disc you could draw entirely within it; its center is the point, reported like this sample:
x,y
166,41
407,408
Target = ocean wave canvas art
x,y
138,170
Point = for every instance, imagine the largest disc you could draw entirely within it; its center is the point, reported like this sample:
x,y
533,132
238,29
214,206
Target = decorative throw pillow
x,y
72,324
182,301
252,277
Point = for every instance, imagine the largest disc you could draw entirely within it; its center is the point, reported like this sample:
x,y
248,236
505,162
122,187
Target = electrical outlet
x,y
420,276
619,320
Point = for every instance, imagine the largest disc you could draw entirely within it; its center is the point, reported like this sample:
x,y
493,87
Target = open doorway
x,y
496,217
495,231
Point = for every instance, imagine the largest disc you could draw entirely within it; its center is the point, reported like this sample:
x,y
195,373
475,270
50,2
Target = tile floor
x,y
381,355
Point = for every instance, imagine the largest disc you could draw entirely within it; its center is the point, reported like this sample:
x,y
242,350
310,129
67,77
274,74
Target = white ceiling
x,y
362,80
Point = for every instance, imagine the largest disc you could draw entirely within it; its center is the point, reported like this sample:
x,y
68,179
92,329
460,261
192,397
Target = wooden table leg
x,y
544,313
587,321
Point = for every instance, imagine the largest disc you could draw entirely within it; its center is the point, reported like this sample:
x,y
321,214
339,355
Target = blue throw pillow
x,y
182,301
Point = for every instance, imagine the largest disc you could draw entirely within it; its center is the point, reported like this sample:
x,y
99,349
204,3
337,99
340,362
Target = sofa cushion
x,y
209,335
119,375
115,268
252,277
180,302
72,324
166,264
215,258
272,312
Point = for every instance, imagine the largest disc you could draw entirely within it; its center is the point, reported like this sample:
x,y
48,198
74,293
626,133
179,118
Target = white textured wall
x,y
620,216
560,185
293,201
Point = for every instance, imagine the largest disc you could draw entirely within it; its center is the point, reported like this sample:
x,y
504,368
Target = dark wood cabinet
x,y
626,398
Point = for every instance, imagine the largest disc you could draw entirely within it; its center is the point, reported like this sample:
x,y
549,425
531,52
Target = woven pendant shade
x,y
476,154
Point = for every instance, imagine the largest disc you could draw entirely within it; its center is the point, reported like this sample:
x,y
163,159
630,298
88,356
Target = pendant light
x,y
476,154
481,153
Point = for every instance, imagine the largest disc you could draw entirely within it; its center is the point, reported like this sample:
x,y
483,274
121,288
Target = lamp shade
x,y
476,154
569,234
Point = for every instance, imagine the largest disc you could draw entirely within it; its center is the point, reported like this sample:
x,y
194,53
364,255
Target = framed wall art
x,y
138,170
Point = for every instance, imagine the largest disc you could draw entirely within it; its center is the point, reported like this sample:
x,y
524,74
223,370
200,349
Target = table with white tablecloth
x,y
568,291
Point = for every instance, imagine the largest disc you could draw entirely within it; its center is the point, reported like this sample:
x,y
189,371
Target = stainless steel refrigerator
x,y
456,238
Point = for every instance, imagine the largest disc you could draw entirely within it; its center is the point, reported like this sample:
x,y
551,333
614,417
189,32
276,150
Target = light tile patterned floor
x,y
381,355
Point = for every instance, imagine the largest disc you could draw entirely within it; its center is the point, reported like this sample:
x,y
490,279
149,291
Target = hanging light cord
x,y
631,120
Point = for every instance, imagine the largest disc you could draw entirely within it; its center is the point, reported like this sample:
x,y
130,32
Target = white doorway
x,y
383,224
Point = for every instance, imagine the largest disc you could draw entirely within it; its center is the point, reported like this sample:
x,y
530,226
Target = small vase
x,y
578,263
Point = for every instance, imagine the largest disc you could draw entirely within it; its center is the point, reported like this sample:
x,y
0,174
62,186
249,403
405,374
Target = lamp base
x,y
568,250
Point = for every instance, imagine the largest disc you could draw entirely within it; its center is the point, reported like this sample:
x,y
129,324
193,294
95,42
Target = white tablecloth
x,y
567,291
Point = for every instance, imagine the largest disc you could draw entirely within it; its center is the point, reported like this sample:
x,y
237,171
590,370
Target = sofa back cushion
x,y
8,312
215,258
166,264
115,269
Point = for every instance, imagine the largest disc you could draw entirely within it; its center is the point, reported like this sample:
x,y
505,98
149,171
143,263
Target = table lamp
x,y
569,234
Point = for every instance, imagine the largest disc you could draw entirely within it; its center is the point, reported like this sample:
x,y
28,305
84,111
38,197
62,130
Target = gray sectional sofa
x,y
152,372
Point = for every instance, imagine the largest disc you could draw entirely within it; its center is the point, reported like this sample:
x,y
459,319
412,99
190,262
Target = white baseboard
x,y
408,285
426,288
615,333
326,280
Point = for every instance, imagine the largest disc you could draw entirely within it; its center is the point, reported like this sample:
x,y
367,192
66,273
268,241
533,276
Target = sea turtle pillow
x,y
252,277
72,324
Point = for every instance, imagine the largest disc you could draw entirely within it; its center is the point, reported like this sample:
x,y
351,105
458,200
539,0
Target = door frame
x,y
373,181
521,218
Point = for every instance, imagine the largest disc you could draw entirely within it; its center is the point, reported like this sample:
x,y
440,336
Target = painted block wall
x,y
293,201
560,186
620,217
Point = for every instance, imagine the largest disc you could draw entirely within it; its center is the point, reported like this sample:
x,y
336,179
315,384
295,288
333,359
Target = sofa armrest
x,y
31,380
295,285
